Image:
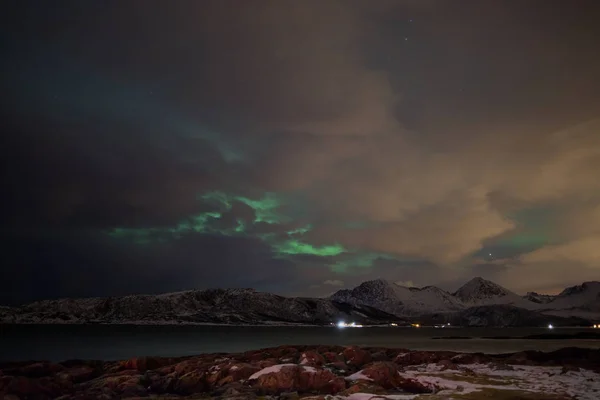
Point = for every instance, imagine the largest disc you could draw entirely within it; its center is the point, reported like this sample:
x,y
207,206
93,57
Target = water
x,y
113,342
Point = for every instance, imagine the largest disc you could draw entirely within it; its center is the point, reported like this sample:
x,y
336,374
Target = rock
x,y
289,396
363,387
312,358
569,368
356,356
190,383
380,356
500,366
413,386
143,364
338,368
288,378
470,358
381,373
242,371
331,356
423,357
30,388
446,365
39,370
78,374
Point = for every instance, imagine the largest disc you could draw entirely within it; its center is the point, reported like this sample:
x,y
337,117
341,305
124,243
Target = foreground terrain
x,y
315,372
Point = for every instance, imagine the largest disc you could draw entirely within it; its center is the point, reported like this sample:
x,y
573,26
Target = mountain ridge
x,y
478,302
578,301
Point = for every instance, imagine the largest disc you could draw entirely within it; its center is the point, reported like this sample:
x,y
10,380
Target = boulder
x,y
381,373
143,364
288,378
190,383
356,356
312,358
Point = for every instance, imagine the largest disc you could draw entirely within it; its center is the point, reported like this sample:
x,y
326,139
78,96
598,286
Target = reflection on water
x,y
111,342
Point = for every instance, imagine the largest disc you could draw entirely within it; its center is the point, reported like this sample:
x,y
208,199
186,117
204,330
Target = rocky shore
x,y
314,372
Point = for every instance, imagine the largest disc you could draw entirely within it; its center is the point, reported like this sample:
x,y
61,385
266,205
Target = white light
x,y
550,326
448,323
341,324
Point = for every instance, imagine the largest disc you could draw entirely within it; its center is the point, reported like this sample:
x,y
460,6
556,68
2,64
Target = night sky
x,y
297,146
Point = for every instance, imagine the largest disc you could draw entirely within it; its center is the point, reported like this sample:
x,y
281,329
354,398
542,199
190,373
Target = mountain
x,y
582,300
578,301
539,298
220,306
399,300
479,291
477,303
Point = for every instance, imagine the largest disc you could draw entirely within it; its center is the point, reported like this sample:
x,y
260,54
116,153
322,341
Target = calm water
x,y
111,342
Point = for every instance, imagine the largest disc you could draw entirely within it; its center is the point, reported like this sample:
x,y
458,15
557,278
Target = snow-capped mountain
x,y
578,301
399,300
479,292
539,298
227,306
582,300
477,302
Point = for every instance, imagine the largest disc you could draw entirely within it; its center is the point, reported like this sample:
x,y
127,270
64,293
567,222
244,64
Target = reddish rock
x,y
380,356
241,371
298,378
446,364
30,388
78,374
338,368
144,364
470,358
41,369
413,386
282,380
190,383
384,374
331,357
423,357
267,363
356,356
363,387
319,380
312,358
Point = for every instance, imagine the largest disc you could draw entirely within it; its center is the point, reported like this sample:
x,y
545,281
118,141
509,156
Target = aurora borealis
x,y
298,147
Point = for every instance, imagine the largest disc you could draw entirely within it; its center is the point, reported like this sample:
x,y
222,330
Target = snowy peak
x,y
539,298
592,287
479,291
399,300
584,298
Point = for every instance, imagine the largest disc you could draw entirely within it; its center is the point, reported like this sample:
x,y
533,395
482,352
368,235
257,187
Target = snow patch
x,y
358,376
270,370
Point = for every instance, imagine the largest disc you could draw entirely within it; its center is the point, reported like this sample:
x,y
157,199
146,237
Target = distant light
x,y
448,323
395,324
596,326
550,326
341,324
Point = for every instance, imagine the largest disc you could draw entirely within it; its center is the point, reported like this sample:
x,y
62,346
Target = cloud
x,y
405,283
333,282
407,158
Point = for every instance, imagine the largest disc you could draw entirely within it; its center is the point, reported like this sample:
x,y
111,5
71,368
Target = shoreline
x,y
314,372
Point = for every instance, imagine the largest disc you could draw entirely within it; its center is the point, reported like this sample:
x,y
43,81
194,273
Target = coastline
x,y
314,372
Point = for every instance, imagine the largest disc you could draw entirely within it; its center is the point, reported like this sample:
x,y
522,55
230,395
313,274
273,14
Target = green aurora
x,y
270,210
